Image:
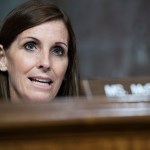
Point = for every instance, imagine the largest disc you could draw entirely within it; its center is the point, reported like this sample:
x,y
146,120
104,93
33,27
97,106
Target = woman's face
x,y
37,62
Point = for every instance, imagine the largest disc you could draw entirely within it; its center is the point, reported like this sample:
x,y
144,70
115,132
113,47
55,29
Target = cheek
x,y
20,64
60,68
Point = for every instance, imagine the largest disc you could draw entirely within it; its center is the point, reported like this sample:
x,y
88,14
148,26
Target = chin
x,y
39,99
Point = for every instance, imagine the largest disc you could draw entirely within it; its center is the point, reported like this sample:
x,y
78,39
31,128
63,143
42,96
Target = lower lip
x,y
41,86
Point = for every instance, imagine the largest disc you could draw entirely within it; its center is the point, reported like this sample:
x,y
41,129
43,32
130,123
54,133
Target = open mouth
x,y
40,81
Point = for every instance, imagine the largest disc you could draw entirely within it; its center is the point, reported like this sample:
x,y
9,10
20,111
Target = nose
x,y
44,62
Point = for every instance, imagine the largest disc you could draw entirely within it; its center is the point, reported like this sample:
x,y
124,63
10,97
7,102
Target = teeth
x,y
41,83
40,80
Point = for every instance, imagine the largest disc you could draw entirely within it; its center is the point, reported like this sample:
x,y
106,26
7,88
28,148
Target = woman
x,y
37,54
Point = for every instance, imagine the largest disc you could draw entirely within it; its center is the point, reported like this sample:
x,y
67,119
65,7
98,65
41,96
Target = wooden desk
x,y
97,124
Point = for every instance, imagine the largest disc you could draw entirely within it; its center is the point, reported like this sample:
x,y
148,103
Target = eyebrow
x,y
39,41
62,43
35,39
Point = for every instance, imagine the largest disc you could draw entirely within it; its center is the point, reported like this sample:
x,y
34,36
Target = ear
x,y
2,59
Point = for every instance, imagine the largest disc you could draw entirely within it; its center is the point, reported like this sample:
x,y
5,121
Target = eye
x,y
31,46
58,51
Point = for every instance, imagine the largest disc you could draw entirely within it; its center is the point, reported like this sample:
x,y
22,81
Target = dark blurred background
x,y
112,36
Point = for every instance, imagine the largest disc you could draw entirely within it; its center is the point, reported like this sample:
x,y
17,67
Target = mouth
x,y
41,81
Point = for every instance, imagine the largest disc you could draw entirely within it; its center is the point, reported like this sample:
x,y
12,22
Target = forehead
x,y
50,28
